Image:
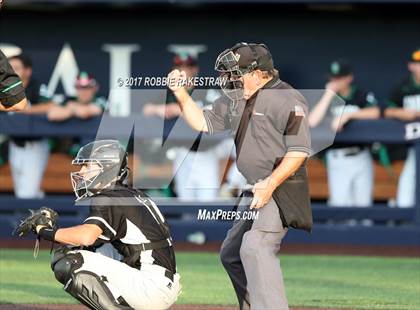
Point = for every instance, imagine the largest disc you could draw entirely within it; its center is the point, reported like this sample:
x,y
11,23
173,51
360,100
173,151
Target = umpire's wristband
x,y
47,233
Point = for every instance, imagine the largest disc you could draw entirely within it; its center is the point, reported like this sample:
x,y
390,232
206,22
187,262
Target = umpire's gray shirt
x,y
266,127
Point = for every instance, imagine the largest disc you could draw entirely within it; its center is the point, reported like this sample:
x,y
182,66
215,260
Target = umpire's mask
x,y
235,62
106,162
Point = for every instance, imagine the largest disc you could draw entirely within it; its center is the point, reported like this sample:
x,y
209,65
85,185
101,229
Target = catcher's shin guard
x,y
91,290
87,287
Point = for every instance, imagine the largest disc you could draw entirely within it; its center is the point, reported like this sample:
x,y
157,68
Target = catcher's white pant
x,y
145,289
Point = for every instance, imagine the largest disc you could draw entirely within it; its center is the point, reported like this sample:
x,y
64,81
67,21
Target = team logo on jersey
x,y
335,67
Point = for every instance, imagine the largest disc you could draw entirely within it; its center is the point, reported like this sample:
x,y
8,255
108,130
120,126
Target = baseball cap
x,y
184,59
84,79
253,55
339,68
415,56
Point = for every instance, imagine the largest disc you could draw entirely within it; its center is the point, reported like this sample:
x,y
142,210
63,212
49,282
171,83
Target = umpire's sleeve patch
x,y
294,121
107,229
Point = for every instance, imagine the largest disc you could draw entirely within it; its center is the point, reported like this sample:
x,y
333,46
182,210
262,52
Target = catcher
x,y
123,224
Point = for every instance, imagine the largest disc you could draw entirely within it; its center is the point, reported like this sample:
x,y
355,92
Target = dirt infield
x,y
301,249
176,307
319,249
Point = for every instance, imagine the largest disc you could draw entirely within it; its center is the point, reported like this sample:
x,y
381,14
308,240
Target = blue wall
x,y
377,39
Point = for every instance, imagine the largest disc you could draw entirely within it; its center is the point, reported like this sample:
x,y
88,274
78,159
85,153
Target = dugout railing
x,y
388,225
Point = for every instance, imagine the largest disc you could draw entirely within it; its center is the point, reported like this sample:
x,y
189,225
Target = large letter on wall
x,y
120,67
66,70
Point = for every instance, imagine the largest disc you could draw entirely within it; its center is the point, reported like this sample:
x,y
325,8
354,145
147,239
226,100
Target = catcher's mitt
x,y
44,216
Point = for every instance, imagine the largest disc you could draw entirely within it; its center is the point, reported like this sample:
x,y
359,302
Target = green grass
x,y
323,281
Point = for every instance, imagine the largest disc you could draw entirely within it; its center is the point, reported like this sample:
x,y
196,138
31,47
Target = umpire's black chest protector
x,y
293,199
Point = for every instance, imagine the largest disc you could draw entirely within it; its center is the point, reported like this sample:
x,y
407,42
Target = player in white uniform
x,y
24,151
404,104
349,167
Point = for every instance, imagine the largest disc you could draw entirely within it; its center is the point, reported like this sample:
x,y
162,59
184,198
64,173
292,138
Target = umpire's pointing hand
x,y
263,191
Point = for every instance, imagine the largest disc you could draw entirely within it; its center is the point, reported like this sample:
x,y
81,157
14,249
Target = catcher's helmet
x,y
111,160
239,60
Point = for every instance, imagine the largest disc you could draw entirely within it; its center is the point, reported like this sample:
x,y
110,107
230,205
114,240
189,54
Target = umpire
x,y
268,119
12,93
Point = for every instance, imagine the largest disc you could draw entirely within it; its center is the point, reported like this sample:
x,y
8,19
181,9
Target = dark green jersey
x,y
101,102
406,95
357,99
11,88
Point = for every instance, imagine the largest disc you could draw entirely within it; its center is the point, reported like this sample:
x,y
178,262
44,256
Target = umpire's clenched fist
x,y
176,79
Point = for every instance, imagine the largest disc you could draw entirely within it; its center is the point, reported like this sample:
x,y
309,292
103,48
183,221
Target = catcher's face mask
x,y
104,165
231,74
83,181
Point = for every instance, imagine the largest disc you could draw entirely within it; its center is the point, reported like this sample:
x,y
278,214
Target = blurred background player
x,y
24,151
349,167
12,93
86,104
196,169
404,104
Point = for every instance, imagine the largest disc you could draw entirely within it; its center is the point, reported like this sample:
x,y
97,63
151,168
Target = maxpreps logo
x,y
219,214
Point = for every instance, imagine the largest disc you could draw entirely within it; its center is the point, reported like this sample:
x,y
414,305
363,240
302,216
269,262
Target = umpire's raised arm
x,y
191,112
12,92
